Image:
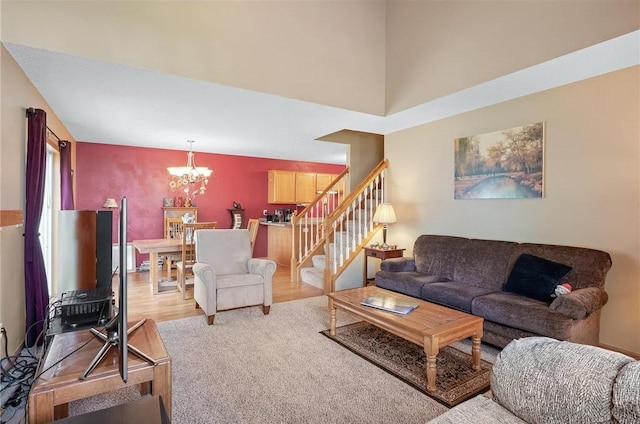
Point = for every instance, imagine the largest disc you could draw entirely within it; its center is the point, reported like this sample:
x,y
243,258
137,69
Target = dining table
x,y
155,247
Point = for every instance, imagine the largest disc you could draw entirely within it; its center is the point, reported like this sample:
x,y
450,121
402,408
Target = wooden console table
x,y
59,384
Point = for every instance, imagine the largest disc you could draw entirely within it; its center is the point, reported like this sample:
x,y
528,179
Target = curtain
x,y
66,176
36,291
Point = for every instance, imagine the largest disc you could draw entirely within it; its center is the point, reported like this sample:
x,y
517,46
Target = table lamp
x,y
384,215
110,203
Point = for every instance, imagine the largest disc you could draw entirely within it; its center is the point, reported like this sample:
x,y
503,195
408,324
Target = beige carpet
x,y
251,368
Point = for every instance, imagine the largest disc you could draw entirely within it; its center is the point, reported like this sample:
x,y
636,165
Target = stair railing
x,y
308,227
350,227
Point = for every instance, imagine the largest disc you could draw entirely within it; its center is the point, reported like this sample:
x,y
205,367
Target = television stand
x,y
110,340
64,360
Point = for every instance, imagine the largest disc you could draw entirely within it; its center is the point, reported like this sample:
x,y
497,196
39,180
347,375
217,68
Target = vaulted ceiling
x,y
268,79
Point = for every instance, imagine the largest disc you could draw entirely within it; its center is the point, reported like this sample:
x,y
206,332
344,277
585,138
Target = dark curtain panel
x,y
66,176
36,291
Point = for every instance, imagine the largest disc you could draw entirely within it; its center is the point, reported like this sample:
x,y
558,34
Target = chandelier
x,y
187,178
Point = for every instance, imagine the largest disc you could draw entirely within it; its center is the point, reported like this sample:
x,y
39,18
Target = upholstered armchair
x,y
225,274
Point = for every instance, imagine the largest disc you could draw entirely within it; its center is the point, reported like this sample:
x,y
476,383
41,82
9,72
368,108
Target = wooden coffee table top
x,y
426,321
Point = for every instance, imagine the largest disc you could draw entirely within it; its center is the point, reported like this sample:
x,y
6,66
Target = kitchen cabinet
x,y
281,187
289,187
323,181
305,187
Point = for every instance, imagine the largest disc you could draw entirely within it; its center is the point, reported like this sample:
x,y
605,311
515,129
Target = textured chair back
x,y
188,239
227,251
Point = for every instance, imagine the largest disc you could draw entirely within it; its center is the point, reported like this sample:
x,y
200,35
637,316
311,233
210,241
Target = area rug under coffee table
x,y
456,380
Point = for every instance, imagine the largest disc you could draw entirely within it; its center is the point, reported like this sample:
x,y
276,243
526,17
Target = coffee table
x,y
429,325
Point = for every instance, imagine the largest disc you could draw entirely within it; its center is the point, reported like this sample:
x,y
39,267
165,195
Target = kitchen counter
x,y
279,238
276,224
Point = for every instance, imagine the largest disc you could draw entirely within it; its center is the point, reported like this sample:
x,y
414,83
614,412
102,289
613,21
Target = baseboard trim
x,y
624,352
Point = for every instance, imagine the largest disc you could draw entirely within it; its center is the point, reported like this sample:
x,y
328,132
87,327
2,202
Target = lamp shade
x,y
384,214
110,203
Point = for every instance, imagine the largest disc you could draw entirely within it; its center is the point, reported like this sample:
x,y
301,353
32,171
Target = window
x,y
49,208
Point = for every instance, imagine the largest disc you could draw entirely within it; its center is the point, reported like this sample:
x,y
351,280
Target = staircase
x,y
330,232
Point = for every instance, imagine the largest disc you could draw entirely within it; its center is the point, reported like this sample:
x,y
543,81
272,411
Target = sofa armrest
x,y
264,267
580,303
398,265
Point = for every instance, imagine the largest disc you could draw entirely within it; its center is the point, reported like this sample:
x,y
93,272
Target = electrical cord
x,y
20,370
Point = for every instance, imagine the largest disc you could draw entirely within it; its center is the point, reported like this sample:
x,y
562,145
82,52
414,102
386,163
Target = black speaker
x,y
104,234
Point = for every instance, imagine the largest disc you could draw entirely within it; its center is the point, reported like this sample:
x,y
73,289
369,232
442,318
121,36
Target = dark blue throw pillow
x,y
535,277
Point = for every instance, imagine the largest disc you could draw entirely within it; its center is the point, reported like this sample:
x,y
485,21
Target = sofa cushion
x,y
484,263
535,277
452,294
436,255
523,313
626,394
409,283
589,266
542,380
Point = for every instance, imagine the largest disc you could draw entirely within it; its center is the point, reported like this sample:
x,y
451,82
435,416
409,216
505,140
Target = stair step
x,y
313,276
319,261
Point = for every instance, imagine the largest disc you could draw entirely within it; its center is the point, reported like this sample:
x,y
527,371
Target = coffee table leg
x,y
431,349
475,352
332,320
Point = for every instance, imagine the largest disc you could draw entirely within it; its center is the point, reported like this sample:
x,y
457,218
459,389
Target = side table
x,y
382,254
59,384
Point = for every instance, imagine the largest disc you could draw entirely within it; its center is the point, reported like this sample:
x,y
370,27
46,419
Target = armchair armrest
x,y
398,265
580,303
264,267
205,285
204,272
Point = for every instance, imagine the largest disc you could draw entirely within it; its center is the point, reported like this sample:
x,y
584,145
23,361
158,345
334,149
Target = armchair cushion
x,y
228,251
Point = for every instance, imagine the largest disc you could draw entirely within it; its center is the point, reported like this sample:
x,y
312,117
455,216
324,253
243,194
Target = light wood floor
x,y
168,306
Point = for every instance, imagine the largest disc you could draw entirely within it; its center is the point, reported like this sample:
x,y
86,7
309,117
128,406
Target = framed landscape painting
x,y
505,164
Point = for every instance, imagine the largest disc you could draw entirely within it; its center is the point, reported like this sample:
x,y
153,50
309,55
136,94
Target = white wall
x,y
592,184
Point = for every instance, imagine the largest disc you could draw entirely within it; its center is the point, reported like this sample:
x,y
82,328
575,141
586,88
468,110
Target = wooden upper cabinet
x,y
305,187
281,187
288,187
323,181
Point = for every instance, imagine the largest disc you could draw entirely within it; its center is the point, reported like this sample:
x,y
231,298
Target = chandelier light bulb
x,y
185,177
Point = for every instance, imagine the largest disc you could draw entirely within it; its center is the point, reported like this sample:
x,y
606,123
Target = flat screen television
x,y
122,291
116,329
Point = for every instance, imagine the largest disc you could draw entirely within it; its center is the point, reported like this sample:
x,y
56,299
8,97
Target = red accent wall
x,y
139,173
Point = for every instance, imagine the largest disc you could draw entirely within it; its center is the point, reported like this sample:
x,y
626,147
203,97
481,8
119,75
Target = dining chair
x,y
253,226
173,230
185,265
